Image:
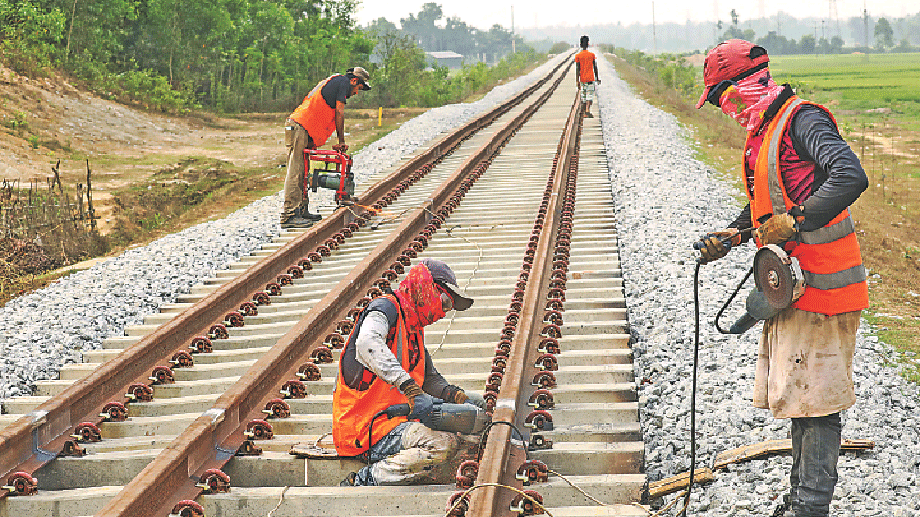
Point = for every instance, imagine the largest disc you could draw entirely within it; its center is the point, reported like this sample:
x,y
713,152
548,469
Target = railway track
x,y
517,203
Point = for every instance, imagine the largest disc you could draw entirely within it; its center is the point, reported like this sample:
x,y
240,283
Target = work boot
x,y
588,114
304,212
296,222
349,479
784,509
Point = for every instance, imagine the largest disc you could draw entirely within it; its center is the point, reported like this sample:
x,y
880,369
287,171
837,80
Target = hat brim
x,y
461,301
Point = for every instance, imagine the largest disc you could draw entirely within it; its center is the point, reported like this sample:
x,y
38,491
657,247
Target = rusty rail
x,y
37,438
502,455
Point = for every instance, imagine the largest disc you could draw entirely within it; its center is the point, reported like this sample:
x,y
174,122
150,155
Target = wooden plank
x,y
771,447
748,452
679,482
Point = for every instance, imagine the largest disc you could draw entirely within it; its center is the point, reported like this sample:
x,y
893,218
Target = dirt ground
x,y
43,121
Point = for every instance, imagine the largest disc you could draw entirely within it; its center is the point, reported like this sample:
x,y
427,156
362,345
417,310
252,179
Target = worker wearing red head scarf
x,y
800,177
385,363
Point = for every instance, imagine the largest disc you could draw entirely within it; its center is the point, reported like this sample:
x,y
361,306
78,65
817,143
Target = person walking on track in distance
x,y
586,75
383,363
800,177
321,112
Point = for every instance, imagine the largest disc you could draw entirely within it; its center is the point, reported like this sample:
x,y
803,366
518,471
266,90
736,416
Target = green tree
x,y
29,34
884,35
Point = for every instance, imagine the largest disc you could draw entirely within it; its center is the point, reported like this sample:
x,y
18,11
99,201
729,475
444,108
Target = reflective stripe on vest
x,y
836,280
828,291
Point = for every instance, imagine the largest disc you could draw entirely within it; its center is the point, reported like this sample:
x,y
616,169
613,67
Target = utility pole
x,y
512,30
866,24
654,36
833,16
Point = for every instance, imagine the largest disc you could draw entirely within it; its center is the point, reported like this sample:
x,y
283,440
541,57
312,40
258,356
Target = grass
x,y
877,106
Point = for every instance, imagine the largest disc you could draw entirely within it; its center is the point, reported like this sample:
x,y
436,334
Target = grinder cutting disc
x,y
778,276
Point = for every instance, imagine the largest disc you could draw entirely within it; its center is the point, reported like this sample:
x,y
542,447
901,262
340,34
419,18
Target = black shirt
x,y
839,177
338,89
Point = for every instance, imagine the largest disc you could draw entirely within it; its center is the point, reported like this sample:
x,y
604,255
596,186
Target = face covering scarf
x,y
748,99
420,299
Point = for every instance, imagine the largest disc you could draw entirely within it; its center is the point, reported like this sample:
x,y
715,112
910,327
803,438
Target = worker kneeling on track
x,y
385,363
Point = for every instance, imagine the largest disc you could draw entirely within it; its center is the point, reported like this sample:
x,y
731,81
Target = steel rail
x,y
501,454
213,438
35,439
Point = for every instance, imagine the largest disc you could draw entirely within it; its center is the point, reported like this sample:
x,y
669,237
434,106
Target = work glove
x,y
420,403
711,246
777,229
340,148
456,395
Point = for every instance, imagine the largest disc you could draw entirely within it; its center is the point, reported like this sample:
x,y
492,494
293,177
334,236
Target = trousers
x,y
406,455
815,449
297,140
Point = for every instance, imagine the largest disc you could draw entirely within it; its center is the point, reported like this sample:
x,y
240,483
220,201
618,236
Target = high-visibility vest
x,y
835,279
354,407
315,115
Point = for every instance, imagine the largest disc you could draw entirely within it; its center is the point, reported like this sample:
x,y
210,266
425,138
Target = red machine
x,y
332,172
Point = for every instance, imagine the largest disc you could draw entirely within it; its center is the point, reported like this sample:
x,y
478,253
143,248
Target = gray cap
x,y
444,276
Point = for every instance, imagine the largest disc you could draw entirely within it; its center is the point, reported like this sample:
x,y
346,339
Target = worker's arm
x,y
434,382
340,121
743,222
840,178
372,352
596,76
577,73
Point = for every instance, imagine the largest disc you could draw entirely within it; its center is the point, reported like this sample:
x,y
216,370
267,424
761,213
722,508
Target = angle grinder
x,y
453,418
779,283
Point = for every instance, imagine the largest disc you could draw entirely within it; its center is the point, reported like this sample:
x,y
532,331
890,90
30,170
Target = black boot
x,y
784,509
305,213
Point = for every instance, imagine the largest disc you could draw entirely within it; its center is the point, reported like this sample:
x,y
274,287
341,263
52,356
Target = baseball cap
x,y
444,276
361,74
731,60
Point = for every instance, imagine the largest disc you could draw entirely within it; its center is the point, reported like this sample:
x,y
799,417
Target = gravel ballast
x,y
664,201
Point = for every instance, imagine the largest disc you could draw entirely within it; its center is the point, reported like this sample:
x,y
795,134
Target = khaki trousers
x,y
295,200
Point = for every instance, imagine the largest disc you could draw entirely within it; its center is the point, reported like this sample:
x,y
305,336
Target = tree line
x,y
883,37
786,34
233,55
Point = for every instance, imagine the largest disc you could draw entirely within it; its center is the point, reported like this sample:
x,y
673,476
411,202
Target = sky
x,y
537,13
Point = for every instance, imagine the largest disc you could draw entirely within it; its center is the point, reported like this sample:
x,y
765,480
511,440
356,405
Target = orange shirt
x,y
585,60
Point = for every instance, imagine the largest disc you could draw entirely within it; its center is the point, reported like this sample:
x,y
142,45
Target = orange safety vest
x,y
315,115
835,279
585,60
353,408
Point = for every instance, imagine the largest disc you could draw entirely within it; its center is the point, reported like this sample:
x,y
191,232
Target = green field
x,y
857,82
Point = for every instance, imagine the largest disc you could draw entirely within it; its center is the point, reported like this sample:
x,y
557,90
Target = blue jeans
x,y
815,448
384,448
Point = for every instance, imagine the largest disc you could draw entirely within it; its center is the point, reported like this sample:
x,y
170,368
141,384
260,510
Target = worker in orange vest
x,y
384,363
586,75
800,177
311,124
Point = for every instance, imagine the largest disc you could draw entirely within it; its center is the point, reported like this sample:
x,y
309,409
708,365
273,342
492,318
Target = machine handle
x,y
727,242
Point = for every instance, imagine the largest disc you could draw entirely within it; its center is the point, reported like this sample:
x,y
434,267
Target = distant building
x,y
448,59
